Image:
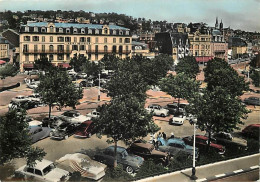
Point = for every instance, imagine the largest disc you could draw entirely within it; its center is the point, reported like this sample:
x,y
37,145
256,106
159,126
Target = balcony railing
x,y
108,52
32,51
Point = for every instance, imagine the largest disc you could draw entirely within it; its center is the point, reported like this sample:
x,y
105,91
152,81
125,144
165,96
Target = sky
x,y
238,14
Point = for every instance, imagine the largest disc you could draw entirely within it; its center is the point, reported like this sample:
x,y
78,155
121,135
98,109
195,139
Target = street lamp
x,y
193,176
99,87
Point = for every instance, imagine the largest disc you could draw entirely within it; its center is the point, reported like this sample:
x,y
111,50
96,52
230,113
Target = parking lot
x,y
55,149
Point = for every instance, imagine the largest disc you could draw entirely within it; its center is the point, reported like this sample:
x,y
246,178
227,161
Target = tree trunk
x,y
115,160
49,115
209,140
178,104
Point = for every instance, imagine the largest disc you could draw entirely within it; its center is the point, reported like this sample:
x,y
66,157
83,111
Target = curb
x,y
224,175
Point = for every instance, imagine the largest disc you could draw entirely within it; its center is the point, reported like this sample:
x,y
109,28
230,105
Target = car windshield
x,y
48,169
179,115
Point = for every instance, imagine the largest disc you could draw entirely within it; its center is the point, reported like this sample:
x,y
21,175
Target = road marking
x,y
254,167
200,180
220,175
238,171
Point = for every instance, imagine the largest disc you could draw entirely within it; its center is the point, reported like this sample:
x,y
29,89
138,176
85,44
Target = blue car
x,y
175,146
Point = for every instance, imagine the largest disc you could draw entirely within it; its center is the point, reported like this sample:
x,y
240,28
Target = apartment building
x,y
219,47
4,49
60,42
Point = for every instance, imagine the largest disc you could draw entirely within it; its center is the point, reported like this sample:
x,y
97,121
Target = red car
x,y
202,142
84,129
252,130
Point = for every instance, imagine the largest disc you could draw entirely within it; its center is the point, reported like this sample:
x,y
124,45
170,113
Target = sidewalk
x,y
210,171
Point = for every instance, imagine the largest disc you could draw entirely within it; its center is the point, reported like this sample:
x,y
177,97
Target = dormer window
x,y
26,29
105,31
96,31
82,30
127,32
114,32
67,30
75,30
43,29
89,31
120,32
60,30
35,29
51,29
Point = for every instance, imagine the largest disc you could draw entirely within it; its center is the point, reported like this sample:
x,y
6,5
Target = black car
x,y
52,122
63,131
23,105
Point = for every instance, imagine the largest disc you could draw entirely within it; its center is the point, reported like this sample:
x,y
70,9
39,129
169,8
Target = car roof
x,y
73,112
118,149
143,145
254,125
34,128
202,137
42,164
175,140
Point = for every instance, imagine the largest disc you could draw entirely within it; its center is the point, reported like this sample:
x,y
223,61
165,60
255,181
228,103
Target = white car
x,y
33,85
35,123
20,98
82,163
93,114
82,75
34,97
44,170
74,117
177,119
157,110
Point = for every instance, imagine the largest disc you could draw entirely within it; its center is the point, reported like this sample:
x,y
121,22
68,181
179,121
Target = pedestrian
x,y
164,135
172,135
159,135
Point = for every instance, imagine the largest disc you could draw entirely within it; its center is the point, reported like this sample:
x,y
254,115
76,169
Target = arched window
x,y
60,30
51,48
67,30
105,48
120,32
89,31
127,32
96,31
114,32
35,29
43,29
105,31
75,30
51,29
82,30
26,29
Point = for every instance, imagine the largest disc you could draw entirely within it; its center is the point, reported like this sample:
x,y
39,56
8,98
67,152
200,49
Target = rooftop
x,y
75,25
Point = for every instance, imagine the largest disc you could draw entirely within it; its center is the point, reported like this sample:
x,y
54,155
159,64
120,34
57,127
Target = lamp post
x,y
99,87
193,176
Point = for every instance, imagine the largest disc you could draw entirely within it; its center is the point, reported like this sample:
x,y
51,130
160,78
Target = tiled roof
x,y
75,25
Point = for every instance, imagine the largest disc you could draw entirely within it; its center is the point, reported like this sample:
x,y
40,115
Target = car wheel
x,y
66,137
129,169
162,115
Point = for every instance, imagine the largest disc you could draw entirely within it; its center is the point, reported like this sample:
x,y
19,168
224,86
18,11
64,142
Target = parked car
x,y
202,142
37,133
82,163
52,122
85,129
93,114
157,110
63,131
74,117
82,75
33,85
177,119
20,98
35,97
35,123
252,101
148,151
131,163
23,105
173,108
227,139
175,146
44,170
252,131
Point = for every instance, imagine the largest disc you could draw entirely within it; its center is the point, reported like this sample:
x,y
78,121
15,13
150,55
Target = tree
x,y
15,141
255,76
124,118
109,62
91,68
219,73
42,64
217,111
179,86
189,66
8,70
56,88
77,62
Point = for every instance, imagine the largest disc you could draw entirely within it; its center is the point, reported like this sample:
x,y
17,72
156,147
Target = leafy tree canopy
x,y
189,66
91,68
217,110
42,64
77,61
255,76
56,88
15,141
219,73
110,62
8,70
180,86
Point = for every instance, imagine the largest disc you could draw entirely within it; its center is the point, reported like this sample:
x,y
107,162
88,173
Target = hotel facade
x,y
60,42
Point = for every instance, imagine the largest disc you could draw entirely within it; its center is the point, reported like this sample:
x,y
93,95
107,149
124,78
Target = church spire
x,y
216,24
221,25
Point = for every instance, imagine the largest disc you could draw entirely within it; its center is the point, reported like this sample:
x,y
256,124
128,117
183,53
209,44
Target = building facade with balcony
x,y
219,47
4,49
60,42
